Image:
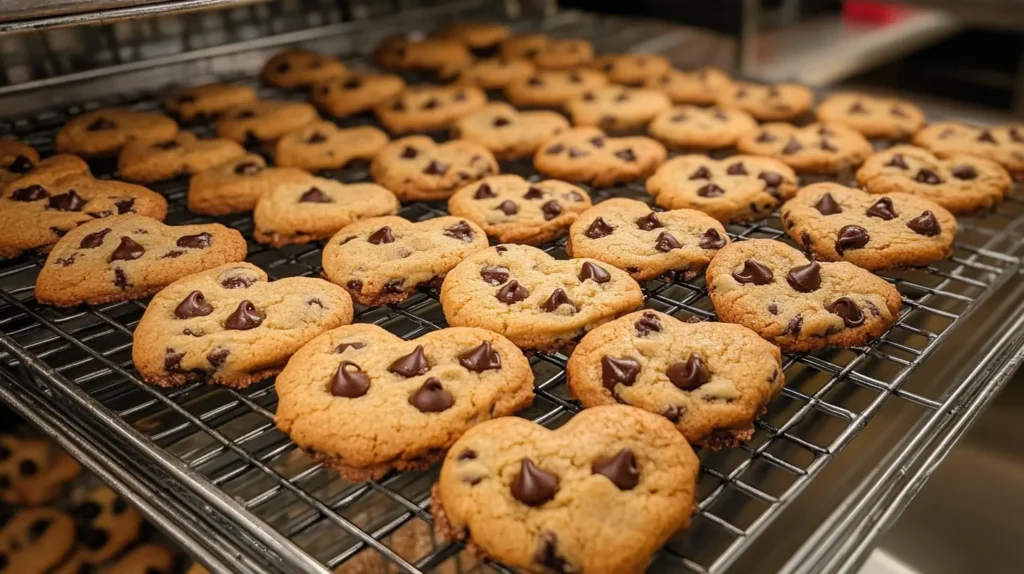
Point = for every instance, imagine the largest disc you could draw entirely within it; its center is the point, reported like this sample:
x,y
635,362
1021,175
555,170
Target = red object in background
x,y
874,12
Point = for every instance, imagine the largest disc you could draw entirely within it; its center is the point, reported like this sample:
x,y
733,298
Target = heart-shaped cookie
x,y
535,300
103,132
106,524
237,185
508,133
231,326
264,120
738,188
837,223
816,148
36,539
587,155
323,145
798,304
552,88
424,108
710,379
598,495
126,257
341,394
627,234
293,69
384,259
416,168
146,162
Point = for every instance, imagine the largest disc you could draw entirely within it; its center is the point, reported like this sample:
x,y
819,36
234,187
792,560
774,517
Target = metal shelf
x,y
233,488
28,15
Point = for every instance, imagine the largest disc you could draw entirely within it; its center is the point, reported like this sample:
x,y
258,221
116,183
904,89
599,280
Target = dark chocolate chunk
x,y
480,358
897,160
851,237
594,272
94,240
711,239
621,469
710,190
198,241
551,210
849,311
484,192
649,222
925,224
792,147
626,155
753,272
805,278
986,137
343,346
193,305
127,250
124,206
546,554
20,164
409,152
501,122
382,235
435,168
245,317
556,300
736,169
432,397
315,195
512,292
619,371
120,279
217,356
666,242
355,285
555,149
494,275
69,201
827,205
533,193
882,209
534,486
508,207
238,282
965,172
766,137
701,172
690,374
411,365
598,229
350,381
927,176
30,193
461,231
597,141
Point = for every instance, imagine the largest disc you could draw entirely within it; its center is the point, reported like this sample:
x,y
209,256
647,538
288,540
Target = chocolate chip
x,y
771,180
480,358
792,147
435,168
851,237
27,468
217,356
619,371
432,397
882,209
626,154
382,235
849,311
753,272
173,254
678,118
120,279
461,231
352,84
589,96
556,300
127,250
621,469
827,205
355,285
534,193
409,153
484,192
649,222
430,104
928,176
766,137
399,106
701,172
411,365
512,292
193,305
546,554
925,224
666,242
897,160
394,286
101,123
966,172
597,141
94,240
30,193
773,308
199,241
857,108
710,190
248,168
898,112
459,96
711,239
350,381
986,136
534,81
534,486
494,275
86,511
20,164
795,325
673,413
551,210
689,375
124,206
574,196
508,207
69,201
805,278
555,149
245,317
736,169
238,282
575,152
172,361
598,229
468,454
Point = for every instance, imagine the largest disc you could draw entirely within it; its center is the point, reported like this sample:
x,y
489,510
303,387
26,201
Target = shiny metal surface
x,y
17,16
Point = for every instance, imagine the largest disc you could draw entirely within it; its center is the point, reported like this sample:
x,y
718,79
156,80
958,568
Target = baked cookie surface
x,y
872,116
587,155
323,145
631,69
434,54
689,126
690,86
208,100
553,88
425,108
292,69
235,186
16,159
355,92
144,162
107,525
772,102
616,108
36,539
33,471
507,132
815,148
264,120
105,131
1002,144
495,73
416,168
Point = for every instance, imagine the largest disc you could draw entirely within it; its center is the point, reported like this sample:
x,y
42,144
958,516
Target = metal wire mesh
x,y
227,437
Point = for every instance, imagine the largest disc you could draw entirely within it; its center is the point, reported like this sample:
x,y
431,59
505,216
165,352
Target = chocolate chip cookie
x,y
145,559
355,93
16,159
425,108
35,540
482,38
508,133
872,116
625,233
631,69
798,304
311,208
616,108
264,120
709,379
737,188
323,145
961,183
105,131
523,45
416,168
107,524
563,54
293,69
514,210
41,171
231,327
236,185
125,257
690,86
694,127
33,471
144,162
208,100
357,380
816,148
434,54
553,88
1002,144
587,155
495,73
837,223
536,301
771,102
601,494
384,259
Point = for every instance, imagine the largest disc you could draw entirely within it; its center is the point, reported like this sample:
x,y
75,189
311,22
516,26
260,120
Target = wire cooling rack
x,y
222,444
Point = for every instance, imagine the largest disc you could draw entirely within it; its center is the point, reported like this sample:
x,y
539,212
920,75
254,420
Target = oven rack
x,y
252,501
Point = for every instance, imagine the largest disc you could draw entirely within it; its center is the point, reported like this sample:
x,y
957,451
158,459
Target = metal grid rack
x,y
221,445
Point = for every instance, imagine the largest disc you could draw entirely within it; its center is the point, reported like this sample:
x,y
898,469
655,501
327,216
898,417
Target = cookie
x,y
208,100
105,131
16,159
1003,144
553,88
837,223
694,127
107,525
425,108
145,559
711,380
587,155
292,69
536,301
37,210
308,209
872,116
236,185
700,86
355,93
799,305
232,327
42,171
616,108
508,133
429,54
495,73
514,210
631,69
33,471
961,183
144,162
323,145
737,188
264,120
416,168
357,380
771,102
125,257
523,45
563,54
482,38
384,259
625,233
35,540
815,148
413,541
600,494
